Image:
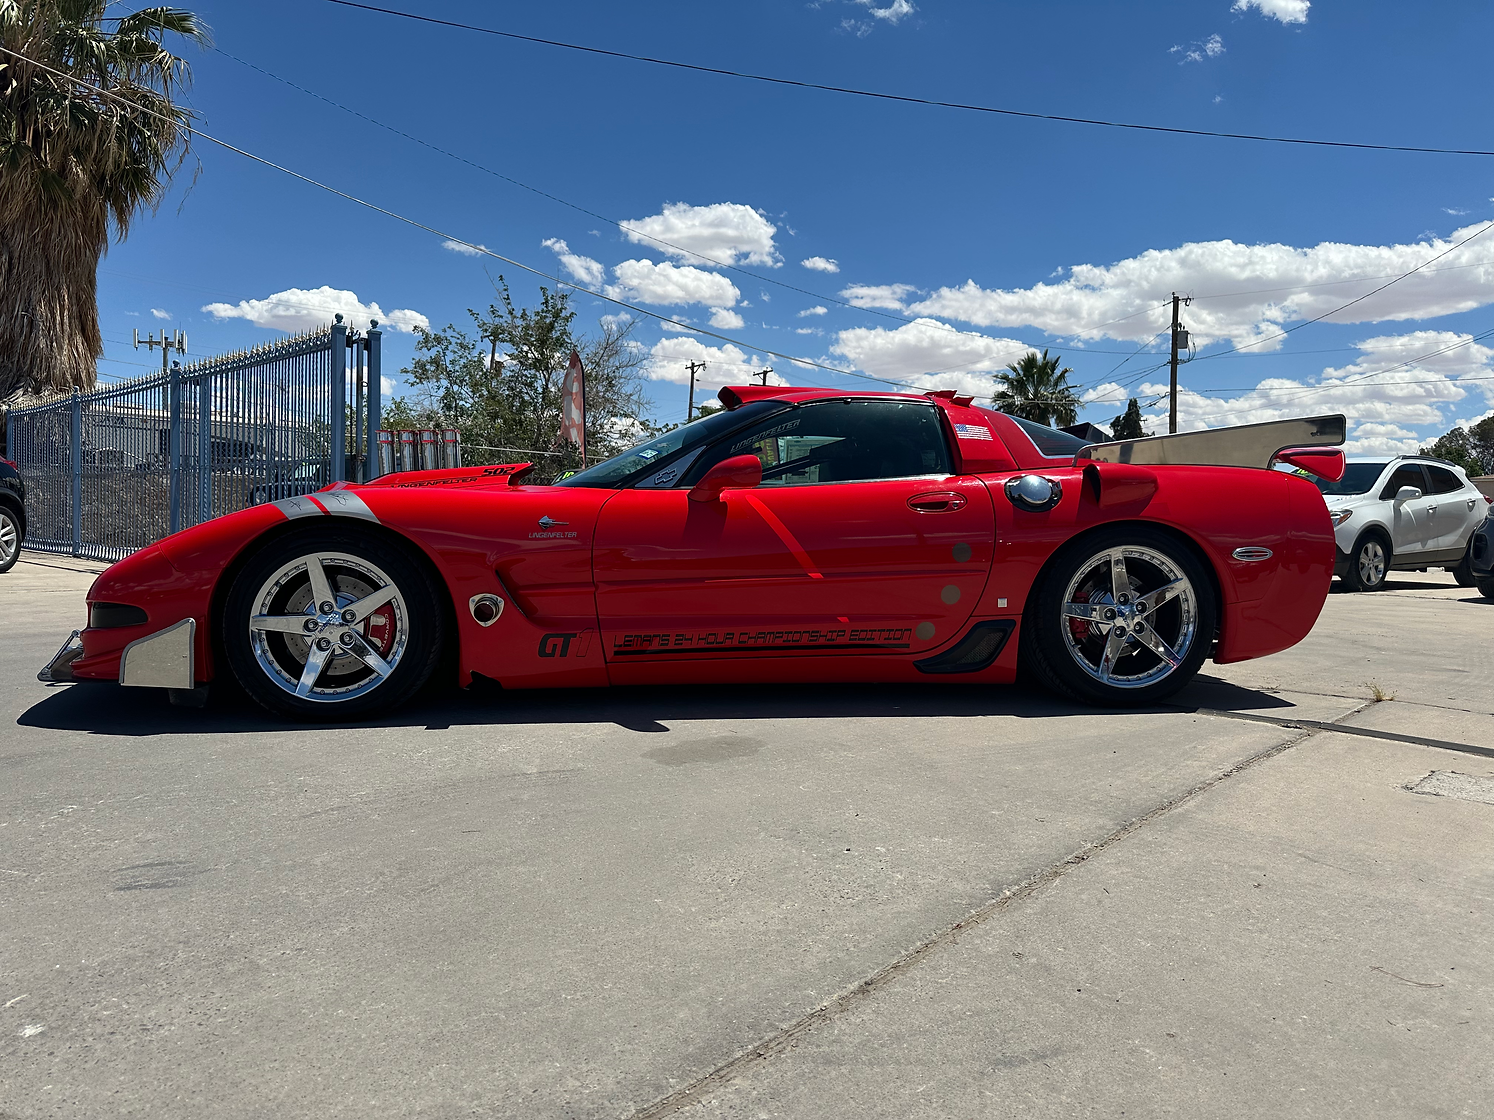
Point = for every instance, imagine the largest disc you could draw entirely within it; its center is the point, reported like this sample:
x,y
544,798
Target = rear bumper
x,y
1481,550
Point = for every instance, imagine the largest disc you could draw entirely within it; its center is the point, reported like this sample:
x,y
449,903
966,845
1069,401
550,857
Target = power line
x,y
906,99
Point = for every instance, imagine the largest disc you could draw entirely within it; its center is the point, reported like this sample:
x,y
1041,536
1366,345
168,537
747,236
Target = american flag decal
x,y
972,431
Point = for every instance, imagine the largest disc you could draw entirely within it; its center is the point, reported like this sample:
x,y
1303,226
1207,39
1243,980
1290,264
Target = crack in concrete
x,y
1349,729
785,1037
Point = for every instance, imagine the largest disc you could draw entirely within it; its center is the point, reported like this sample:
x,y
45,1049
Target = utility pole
x,y
694,368
176,341
1179,342
764,375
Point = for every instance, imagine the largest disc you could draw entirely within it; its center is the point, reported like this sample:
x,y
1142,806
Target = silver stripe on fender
x,y
298,507
1252,553
345,504
338,502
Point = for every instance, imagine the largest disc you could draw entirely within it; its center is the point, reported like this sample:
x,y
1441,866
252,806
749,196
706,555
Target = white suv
x,y
1402,513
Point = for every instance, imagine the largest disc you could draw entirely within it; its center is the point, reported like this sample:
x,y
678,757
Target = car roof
x,y
1388,459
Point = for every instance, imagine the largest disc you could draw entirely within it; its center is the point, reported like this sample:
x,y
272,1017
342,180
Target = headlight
x,y
1340,516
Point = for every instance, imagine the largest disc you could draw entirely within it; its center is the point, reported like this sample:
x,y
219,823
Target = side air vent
x,y
975,651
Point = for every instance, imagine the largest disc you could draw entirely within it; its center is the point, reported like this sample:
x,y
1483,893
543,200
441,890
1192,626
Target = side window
x,y
1407,474
839,441
1443,480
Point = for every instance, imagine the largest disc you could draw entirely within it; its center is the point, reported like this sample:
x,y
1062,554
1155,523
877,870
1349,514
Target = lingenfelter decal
x,y
760,641
769,434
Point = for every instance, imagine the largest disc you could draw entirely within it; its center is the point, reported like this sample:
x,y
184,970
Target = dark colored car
x,y
1481,557
12,514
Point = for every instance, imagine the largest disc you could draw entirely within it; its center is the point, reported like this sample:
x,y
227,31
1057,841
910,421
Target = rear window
x,y
1443,480
1050,442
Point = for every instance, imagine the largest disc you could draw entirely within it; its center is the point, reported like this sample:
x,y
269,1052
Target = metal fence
x,y
113,470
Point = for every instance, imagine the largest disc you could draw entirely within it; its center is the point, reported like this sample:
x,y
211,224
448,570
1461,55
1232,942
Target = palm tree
x,y
1036,389
89,136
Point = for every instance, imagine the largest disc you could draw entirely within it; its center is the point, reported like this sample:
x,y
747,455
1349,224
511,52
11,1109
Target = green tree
x,y
75,165
508,407
1128,425
1034,388
1471,448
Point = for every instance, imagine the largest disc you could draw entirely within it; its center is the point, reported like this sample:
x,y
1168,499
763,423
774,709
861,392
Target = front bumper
x,y
165,659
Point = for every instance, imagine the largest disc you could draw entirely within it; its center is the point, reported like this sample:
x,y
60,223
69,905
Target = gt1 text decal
x,y
565,645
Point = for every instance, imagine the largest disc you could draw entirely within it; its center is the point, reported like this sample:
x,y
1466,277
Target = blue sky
x,y
962,238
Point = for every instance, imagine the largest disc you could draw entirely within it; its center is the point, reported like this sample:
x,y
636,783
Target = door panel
x,y
1410,522
857,567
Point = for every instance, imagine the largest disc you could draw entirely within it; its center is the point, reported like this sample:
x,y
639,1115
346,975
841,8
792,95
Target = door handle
x,y
1431,509
1471,502
941,502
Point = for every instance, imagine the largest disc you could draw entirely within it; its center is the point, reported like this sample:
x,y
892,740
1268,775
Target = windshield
x,y
615,471
1358,479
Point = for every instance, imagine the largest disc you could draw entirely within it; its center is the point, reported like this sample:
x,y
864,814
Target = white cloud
x,y
724,320
930,355
724,365
892,13
1244,292
465,249
725,233
809,311
579,268
1384,403
820,264
890,296
808,330
676,327
1287,11
1197,51
161,313
301,309
616,322
671,285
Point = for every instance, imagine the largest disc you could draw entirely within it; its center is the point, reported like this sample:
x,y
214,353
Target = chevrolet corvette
x,y
797,535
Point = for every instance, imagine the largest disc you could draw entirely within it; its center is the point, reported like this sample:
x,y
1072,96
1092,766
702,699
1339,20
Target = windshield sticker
x,y
769,434
648,453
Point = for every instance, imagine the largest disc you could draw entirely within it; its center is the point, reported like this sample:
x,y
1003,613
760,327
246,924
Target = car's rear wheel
x,y
10,538
1369,564
331,624
1486,588
1122,617
1463,573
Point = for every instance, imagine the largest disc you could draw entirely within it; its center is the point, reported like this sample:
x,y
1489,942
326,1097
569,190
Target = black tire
x,y
1368,569
1070,654
11,537
355,680
1485,588
1463,573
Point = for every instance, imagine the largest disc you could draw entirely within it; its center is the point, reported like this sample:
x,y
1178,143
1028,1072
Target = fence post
x,y
76,445
204,447
374,400
174,400
339,465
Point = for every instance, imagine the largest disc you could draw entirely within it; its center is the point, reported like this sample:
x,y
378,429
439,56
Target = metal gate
x,y
113,470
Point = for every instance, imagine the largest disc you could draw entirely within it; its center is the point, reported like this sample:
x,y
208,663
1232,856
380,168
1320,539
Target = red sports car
x,y
798,535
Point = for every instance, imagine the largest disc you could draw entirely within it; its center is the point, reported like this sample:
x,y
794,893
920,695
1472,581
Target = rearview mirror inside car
x,y
1407,494
740,472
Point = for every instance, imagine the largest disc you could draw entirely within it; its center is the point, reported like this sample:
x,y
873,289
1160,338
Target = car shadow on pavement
x,y
106,709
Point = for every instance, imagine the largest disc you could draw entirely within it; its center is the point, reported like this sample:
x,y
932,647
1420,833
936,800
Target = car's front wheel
x,y
1369,564
10,539
1122,617
332,624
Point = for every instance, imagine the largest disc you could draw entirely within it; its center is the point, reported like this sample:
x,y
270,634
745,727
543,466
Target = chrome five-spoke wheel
x,y
331,623
1124,615
329,627
1132,617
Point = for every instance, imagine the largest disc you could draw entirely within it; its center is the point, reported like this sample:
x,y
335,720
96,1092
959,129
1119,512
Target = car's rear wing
x,y
1249,445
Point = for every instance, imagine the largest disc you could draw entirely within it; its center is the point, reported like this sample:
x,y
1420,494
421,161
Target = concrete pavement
x,y
933,901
